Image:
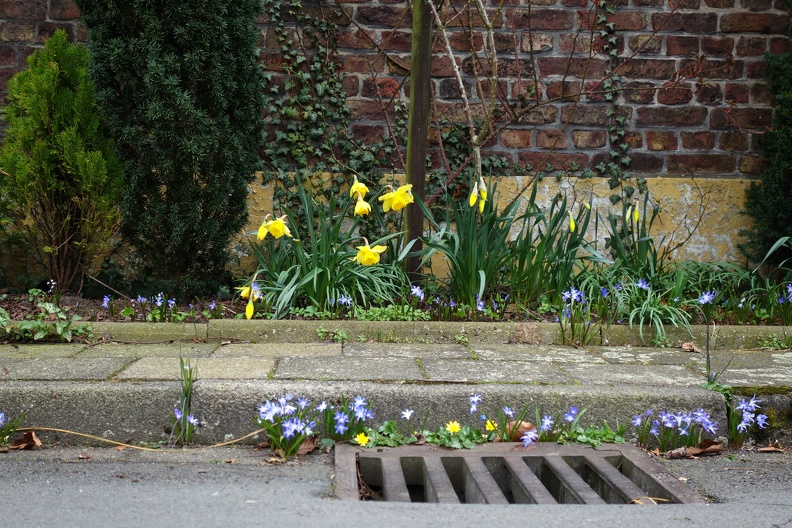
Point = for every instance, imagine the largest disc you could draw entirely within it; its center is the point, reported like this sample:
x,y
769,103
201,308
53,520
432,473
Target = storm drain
x,y
507,474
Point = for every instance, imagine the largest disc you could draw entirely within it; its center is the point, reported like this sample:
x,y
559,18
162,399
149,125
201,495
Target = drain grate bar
x,y
529,488
440,488
573,488
480,487
506,473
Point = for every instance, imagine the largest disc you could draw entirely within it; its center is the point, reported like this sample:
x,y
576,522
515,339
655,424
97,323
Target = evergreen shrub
x,y
181,88
59,176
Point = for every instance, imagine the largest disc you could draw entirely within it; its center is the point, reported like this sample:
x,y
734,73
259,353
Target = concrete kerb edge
x,y
724,337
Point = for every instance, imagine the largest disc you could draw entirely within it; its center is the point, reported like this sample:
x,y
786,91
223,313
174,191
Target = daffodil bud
x,y
571,221
473,195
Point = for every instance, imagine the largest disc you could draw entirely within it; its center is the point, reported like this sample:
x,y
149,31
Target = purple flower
x,y
192,420
637,419
171,303
106,301
177,413
529,438
340,428
2,418
321,407
416,291
570,416
707,297
547,424
643,284
761,420
212,305
604,292
508,411
345,300
341,417
303,402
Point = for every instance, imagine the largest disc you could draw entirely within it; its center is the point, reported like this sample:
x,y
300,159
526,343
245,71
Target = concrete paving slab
x,y
782,358
751,359
617,375
61,368
774,377
646,356
547,353
277,350
150,332
348,368
31,351
165,368
180,349
437,351
480,371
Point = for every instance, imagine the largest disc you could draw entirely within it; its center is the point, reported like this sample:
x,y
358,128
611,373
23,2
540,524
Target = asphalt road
x,y
96,487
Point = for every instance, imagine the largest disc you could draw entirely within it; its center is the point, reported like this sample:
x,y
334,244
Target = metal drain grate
x,y
505,473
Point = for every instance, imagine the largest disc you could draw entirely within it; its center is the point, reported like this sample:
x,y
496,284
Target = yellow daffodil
x,y
358,188
249,309
398,199
362,207
490,425
368,256
362,439
277,228
587,205
473,195
636,215
571,221
453,427
244,291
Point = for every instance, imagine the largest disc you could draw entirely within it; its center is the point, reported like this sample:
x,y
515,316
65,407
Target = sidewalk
x,y
124,386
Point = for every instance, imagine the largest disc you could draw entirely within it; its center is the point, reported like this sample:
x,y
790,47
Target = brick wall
x,y
706,128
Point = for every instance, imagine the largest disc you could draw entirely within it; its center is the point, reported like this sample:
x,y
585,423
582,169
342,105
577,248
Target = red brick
x,y
719,4
647,69
751,46
652,44
590,114
63,10
708,93
448,88
661,140
717,46
685,4
368,134
467,19
588,139
558,160
351,85
755,70
750,164
695,23
527,89
733,140
396,40
8,56
442,66
563,90
462,41
24,9
532,41
668,116
551,138
595,92
716,69
623,21
779,45
674,94
516,138
648,3
5,76
47,29
757,5
541,115
540,19
366,109
736,93
359,63
383,16
634,139
701,163
573,67
761,95
766,23
639,92
385,87
741,117
698,140
681,45
356,39
640,162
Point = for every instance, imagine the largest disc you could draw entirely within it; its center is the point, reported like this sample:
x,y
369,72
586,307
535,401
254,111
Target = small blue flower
x,y
451,303
212,305
171,303
341,417
192,420
529,438
643,284
707,297
618,287
141,299
480,306
177,413
655,428
360,401
547,424
340,428
416,291
508,411
407,414
303,402
345,300
2,418
570,416
106,301
761,420
637,419
322,406
604,292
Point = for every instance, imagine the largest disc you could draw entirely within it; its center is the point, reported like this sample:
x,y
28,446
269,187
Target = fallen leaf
x,y
230,461
517,430
656,452
308,445
3,449
690,347
120,448
29,440
710,447
770,449
83,456
261,445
